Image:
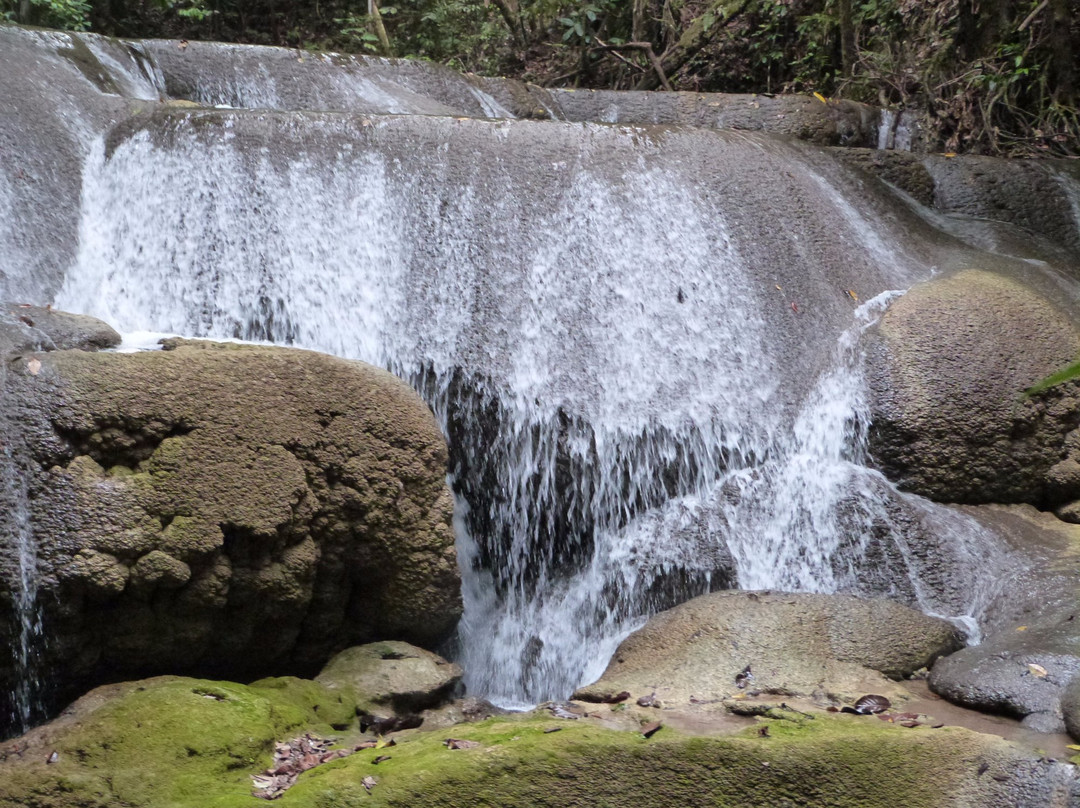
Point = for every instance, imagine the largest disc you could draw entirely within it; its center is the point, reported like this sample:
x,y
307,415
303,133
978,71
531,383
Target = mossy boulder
x,y
392,676
185,743
948,367
828,647
227,509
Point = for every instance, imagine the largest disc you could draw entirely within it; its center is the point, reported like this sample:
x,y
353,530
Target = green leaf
x,y
1065,374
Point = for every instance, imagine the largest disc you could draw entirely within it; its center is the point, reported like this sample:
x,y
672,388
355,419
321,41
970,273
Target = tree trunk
x,y
380,30
847,38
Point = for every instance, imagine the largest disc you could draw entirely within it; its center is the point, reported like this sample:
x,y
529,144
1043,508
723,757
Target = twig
x,y
647,48
618,55
1032,16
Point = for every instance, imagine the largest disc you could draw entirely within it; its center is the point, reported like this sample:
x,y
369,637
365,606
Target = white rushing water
x,y
26,704
626,428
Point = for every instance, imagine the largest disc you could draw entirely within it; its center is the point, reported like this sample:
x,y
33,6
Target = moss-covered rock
x,y
227,509
183,743
392,676
829,647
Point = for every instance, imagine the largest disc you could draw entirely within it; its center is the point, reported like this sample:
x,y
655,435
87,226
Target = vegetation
x,y
993,77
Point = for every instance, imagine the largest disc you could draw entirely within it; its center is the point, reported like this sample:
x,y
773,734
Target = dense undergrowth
x,y
985,76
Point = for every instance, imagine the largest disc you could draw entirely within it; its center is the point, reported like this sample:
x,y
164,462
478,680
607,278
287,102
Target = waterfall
x,y
27,634
649,390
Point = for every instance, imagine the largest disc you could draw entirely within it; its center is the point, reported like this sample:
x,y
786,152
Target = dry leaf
x,y
33,364
1038,670
650,729
1021,628
369,783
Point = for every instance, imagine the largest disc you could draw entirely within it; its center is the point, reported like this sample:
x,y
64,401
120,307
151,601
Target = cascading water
x,y
27,634
638,406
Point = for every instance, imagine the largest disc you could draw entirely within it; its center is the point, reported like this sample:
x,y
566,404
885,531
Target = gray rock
x,y
1030,649
392,675
227,508
26,328
948,369
1032,194
804,117
831,646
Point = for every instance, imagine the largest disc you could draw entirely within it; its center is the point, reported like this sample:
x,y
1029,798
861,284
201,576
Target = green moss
x,y
169,742
835,761
187,743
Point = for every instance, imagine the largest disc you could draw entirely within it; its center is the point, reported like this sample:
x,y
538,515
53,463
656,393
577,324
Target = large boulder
x,y
829,647
189,743
392,676
227,509
948,368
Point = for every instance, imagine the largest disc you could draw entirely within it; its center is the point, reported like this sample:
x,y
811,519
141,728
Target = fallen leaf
x,y
1073,746
852,295
369,783
380,759
820,98
33,364
647,701
1021,628
795,307
1038,670
552,729
651,729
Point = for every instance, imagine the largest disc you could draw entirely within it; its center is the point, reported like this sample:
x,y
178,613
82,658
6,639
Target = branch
x,y
647,48
697,36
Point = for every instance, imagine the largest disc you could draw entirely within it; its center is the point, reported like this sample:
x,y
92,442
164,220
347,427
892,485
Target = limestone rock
x,y
1030,650
948,368
228,508
831,646
393,675
25,328
804,117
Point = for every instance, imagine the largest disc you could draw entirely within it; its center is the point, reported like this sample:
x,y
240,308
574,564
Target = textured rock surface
x,y
190,743
26,328
948,369
1031,620
826,646
392,675
804,117
229,508
1032,194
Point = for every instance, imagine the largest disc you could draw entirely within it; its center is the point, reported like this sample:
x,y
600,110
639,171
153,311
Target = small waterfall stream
x,y
641,406
26,702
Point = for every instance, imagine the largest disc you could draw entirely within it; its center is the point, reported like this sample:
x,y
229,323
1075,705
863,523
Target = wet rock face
x,y
231,509
1032,194
948,368
1030,649
822,646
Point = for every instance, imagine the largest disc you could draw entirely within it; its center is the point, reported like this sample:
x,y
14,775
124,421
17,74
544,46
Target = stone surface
x,y
830,647
948,368
1028,619
804,117
228,508
26,328
392,675
1032,194
190,743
